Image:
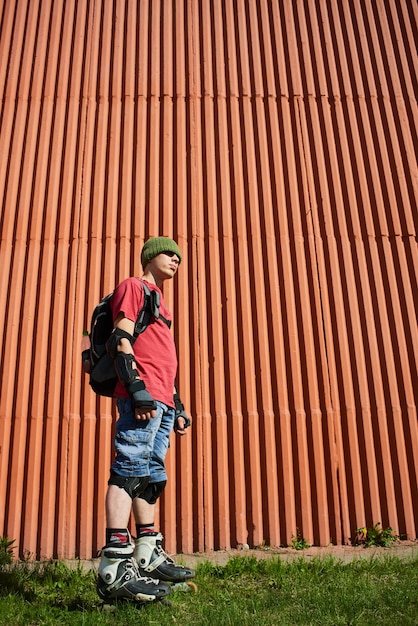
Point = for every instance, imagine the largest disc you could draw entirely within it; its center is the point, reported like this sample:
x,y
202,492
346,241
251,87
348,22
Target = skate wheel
x,y
182,586
106,607
185,585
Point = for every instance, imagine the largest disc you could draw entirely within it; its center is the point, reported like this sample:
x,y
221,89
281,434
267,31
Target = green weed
x,y
6,550
376,536
299,542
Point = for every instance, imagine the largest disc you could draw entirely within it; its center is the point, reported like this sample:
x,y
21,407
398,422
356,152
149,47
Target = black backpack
x,y
103,377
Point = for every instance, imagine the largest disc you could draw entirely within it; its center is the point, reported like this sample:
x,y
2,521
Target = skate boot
x,y
119,577
154,561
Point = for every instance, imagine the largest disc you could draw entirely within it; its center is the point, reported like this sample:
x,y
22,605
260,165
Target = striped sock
x,y
117,536
144,529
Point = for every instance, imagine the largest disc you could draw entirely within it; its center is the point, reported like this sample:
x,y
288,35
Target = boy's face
x,y
164,265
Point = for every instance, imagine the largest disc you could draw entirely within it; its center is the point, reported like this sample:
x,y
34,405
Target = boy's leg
x,y
118,507
119,575
149,553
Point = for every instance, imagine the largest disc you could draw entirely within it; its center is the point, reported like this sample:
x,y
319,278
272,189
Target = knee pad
x,y
153,491
133,485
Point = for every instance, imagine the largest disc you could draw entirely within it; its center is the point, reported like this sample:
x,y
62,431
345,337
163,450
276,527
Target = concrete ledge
x,y
401,549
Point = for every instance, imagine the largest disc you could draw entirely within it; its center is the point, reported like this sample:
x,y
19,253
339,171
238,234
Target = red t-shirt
x,y
154,349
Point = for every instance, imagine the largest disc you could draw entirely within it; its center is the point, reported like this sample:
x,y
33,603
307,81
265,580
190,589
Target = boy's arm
x,y
123,345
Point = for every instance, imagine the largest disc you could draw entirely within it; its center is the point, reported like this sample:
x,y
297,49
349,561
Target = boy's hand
x,y
182,421
142,401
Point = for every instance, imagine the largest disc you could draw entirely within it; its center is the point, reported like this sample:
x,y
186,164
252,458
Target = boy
x,y
149,408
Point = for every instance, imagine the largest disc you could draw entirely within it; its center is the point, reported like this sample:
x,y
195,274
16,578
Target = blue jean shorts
x,y
141,445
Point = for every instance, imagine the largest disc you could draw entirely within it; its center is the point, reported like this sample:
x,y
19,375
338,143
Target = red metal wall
x,y
277,142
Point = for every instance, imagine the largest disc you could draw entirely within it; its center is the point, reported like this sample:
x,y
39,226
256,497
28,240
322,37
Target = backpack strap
x,y
150,309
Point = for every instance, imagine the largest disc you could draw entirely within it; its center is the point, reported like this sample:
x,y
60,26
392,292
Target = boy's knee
x,y
133,485
153,491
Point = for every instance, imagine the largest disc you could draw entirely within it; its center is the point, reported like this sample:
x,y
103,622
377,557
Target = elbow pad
x,y
115,339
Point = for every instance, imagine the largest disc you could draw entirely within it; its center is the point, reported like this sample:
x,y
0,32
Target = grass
x,y
245,592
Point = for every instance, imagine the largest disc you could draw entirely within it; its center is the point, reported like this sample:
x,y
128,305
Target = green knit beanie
x,y
155,246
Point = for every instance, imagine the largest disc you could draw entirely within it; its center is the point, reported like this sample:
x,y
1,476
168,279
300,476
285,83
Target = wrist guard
x,y
180,412
141,399
125,367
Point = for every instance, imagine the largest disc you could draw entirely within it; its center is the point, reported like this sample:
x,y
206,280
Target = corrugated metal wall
x,y
277,142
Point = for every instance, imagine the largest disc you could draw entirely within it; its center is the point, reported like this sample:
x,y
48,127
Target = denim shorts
x,y
141,445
